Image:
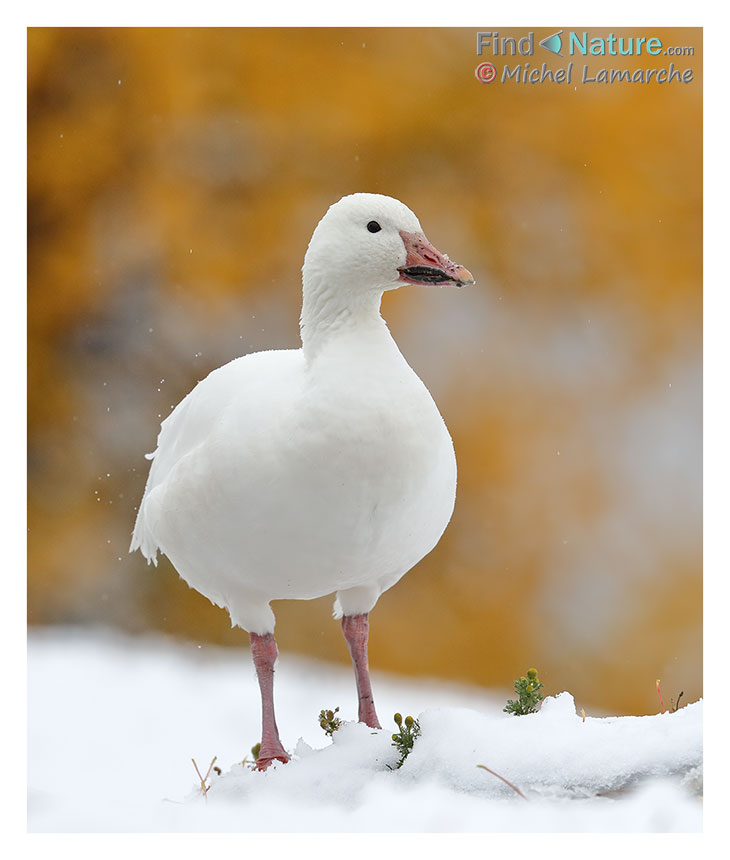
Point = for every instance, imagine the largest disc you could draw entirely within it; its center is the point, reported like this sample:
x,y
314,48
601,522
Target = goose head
x,y
369,243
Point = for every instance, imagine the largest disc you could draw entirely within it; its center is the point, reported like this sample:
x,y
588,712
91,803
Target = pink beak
x,y
425,265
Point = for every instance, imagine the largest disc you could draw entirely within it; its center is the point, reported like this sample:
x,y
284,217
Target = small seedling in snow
x,y
659,693
255,750
528,695
329,722
408,730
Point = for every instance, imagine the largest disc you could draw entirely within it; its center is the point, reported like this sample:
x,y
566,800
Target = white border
x,y
716,433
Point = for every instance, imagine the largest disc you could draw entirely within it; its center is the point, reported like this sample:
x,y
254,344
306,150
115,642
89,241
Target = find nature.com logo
x,y
571,44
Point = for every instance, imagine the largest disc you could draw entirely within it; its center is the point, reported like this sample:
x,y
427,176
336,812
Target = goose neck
x,y
330,313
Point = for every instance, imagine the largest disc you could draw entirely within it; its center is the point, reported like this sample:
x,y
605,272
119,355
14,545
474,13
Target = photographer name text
x,y
524,73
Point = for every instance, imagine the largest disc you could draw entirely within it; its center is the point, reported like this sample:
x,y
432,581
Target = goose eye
x,y
374,227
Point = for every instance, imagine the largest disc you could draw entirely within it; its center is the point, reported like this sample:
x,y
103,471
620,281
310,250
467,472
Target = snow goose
x,y
292,474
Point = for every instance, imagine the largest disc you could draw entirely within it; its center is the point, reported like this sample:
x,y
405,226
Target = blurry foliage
x,y
174,179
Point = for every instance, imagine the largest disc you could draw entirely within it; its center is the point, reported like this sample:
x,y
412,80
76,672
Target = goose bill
x,y
426,265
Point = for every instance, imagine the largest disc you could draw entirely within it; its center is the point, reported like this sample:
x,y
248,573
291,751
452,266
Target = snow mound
x,y
554,752
114,721
551,754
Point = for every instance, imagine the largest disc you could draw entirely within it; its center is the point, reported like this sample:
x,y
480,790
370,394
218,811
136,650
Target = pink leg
x,y
265,653
355,628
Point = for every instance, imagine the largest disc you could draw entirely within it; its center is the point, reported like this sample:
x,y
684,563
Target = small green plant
x,y
408,730
528,695
329,722
255,750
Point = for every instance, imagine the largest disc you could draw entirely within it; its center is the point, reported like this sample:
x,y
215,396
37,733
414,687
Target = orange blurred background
x,y
175,177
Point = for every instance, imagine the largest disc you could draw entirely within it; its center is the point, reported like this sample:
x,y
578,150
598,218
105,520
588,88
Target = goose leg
x,y
355,628
264,651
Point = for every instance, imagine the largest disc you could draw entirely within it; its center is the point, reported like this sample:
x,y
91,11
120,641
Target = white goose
x,y
298,473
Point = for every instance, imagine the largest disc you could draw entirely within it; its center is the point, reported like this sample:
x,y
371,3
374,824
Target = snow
x,y
114,721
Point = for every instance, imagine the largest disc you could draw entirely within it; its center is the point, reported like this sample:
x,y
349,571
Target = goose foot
x,y
263,761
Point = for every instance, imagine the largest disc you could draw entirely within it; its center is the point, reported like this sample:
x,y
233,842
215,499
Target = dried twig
x,y
203,779
494,773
